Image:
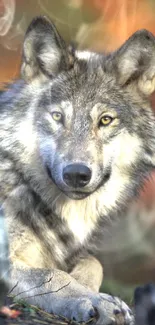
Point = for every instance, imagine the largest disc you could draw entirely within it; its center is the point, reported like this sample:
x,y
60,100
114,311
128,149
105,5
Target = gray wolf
x,y
77,141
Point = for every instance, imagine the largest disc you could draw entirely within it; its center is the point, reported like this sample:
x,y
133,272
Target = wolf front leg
x,y
59,293
4,259
89,272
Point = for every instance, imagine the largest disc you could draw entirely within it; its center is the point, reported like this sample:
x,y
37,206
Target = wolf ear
x,y
45,53
135,61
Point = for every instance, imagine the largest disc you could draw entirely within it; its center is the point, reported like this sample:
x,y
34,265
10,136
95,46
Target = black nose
x,y
76,175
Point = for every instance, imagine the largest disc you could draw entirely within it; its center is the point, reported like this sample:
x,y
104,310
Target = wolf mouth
x,y
79,195
76,194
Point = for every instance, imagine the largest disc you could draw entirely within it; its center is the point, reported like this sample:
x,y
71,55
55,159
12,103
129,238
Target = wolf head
x,y
92,121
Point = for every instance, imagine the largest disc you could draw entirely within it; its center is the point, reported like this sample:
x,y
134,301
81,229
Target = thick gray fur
x,y
53,228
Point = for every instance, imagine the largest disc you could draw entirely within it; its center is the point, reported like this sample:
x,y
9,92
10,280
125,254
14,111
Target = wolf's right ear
x,y
45,53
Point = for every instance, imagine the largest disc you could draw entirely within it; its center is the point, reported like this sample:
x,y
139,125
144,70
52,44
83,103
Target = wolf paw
x,y
82,309
117,310
104,309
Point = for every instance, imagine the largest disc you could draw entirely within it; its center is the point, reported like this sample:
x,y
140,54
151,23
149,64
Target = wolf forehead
x,y
88,91
87,82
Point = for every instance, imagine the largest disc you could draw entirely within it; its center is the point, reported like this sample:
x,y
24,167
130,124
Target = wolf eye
x,y
105,120
57,116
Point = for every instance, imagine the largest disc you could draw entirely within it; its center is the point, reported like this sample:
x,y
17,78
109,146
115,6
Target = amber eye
x,y
57,116
105,120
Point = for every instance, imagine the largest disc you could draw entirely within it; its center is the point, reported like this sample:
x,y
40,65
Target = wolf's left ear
x,y
45,53
135,62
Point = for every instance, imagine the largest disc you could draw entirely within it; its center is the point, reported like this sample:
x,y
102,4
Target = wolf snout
x,y
76,175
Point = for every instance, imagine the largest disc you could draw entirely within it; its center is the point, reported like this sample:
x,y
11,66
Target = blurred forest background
x,y
102,25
